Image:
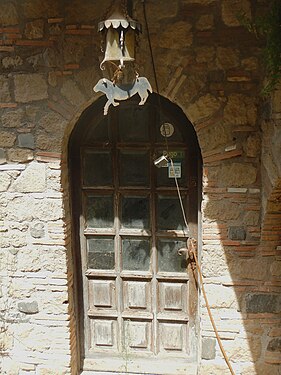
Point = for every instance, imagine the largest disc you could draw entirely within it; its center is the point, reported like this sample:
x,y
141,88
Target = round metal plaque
x,y
167,129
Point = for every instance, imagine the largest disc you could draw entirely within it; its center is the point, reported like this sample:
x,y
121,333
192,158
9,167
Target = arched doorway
x,y
136,296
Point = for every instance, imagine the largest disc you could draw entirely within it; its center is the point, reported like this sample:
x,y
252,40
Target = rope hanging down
x,y
191,243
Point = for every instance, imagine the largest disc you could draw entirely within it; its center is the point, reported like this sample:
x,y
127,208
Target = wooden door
x,y
139,296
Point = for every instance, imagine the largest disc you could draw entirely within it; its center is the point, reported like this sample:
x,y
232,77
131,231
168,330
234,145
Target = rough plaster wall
x,y
210,67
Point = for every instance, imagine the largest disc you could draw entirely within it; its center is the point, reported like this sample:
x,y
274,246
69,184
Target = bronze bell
x,y
120,37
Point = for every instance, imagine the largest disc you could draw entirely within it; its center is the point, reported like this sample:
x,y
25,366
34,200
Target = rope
x,y
154,72
191,247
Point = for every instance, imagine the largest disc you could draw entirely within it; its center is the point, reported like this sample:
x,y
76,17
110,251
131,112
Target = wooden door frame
x,y
91,114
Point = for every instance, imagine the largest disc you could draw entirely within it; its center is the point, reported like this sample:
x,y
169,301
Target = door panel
x,y
137,296
102,294
139,299
104,333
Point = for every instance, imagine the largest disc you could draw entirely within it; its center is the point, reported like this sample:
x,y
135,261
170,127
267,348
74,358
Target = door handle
x,y
183,251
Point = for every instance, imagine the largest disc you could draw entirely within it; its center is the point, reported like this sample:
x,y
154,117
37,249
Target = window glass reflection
x,y
97,168
136,254
168,258
169,214
135,212
101,253
99,211
134,168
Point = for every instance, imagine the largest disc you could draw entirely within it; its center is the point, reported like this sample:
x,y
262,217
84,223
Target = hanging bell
x,y
120,32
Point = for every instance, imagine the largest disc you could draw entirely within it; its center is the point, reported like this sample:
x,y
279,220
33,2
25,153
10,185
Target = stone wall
x,y
208,65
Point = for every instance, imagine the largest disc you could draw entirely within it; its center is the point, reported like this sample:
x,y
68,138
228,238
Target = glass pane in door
x,y
136,254
135,212
168,258
169,214
99,211
134,168
97,168
100,251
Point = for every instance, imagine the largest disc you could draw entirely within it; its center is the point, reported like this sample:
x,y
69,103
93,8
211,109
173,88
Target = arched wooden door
x,y
137,297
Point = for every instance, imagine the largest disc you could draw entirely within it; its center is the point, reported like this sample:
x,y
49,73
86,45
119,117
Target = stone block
x,y
12,62
86,77
208,348
253,146
26,140
214,263
5,181
19,155
52,79
263,303
52,123
240,110
54,180
37,230
32,112
237,233
175,35
205,54
213,368
10,366
204,107
7,139
276,270
163,9
2,156
52,370
45,141
237,190
8,14
234,175
227,58
205,22
75,11
230,9
48,209
30,87
28,307
250,63
274,345
5,95
14,238
13,119
16,209
37,8
251,218
73,50
31,180
52,58
220,296
189,89
221,210
72,93
34,29
214,136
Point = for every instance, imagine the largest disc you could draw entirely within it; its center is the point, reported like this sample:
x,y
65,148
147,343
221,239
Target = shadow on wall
x,y
242,276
